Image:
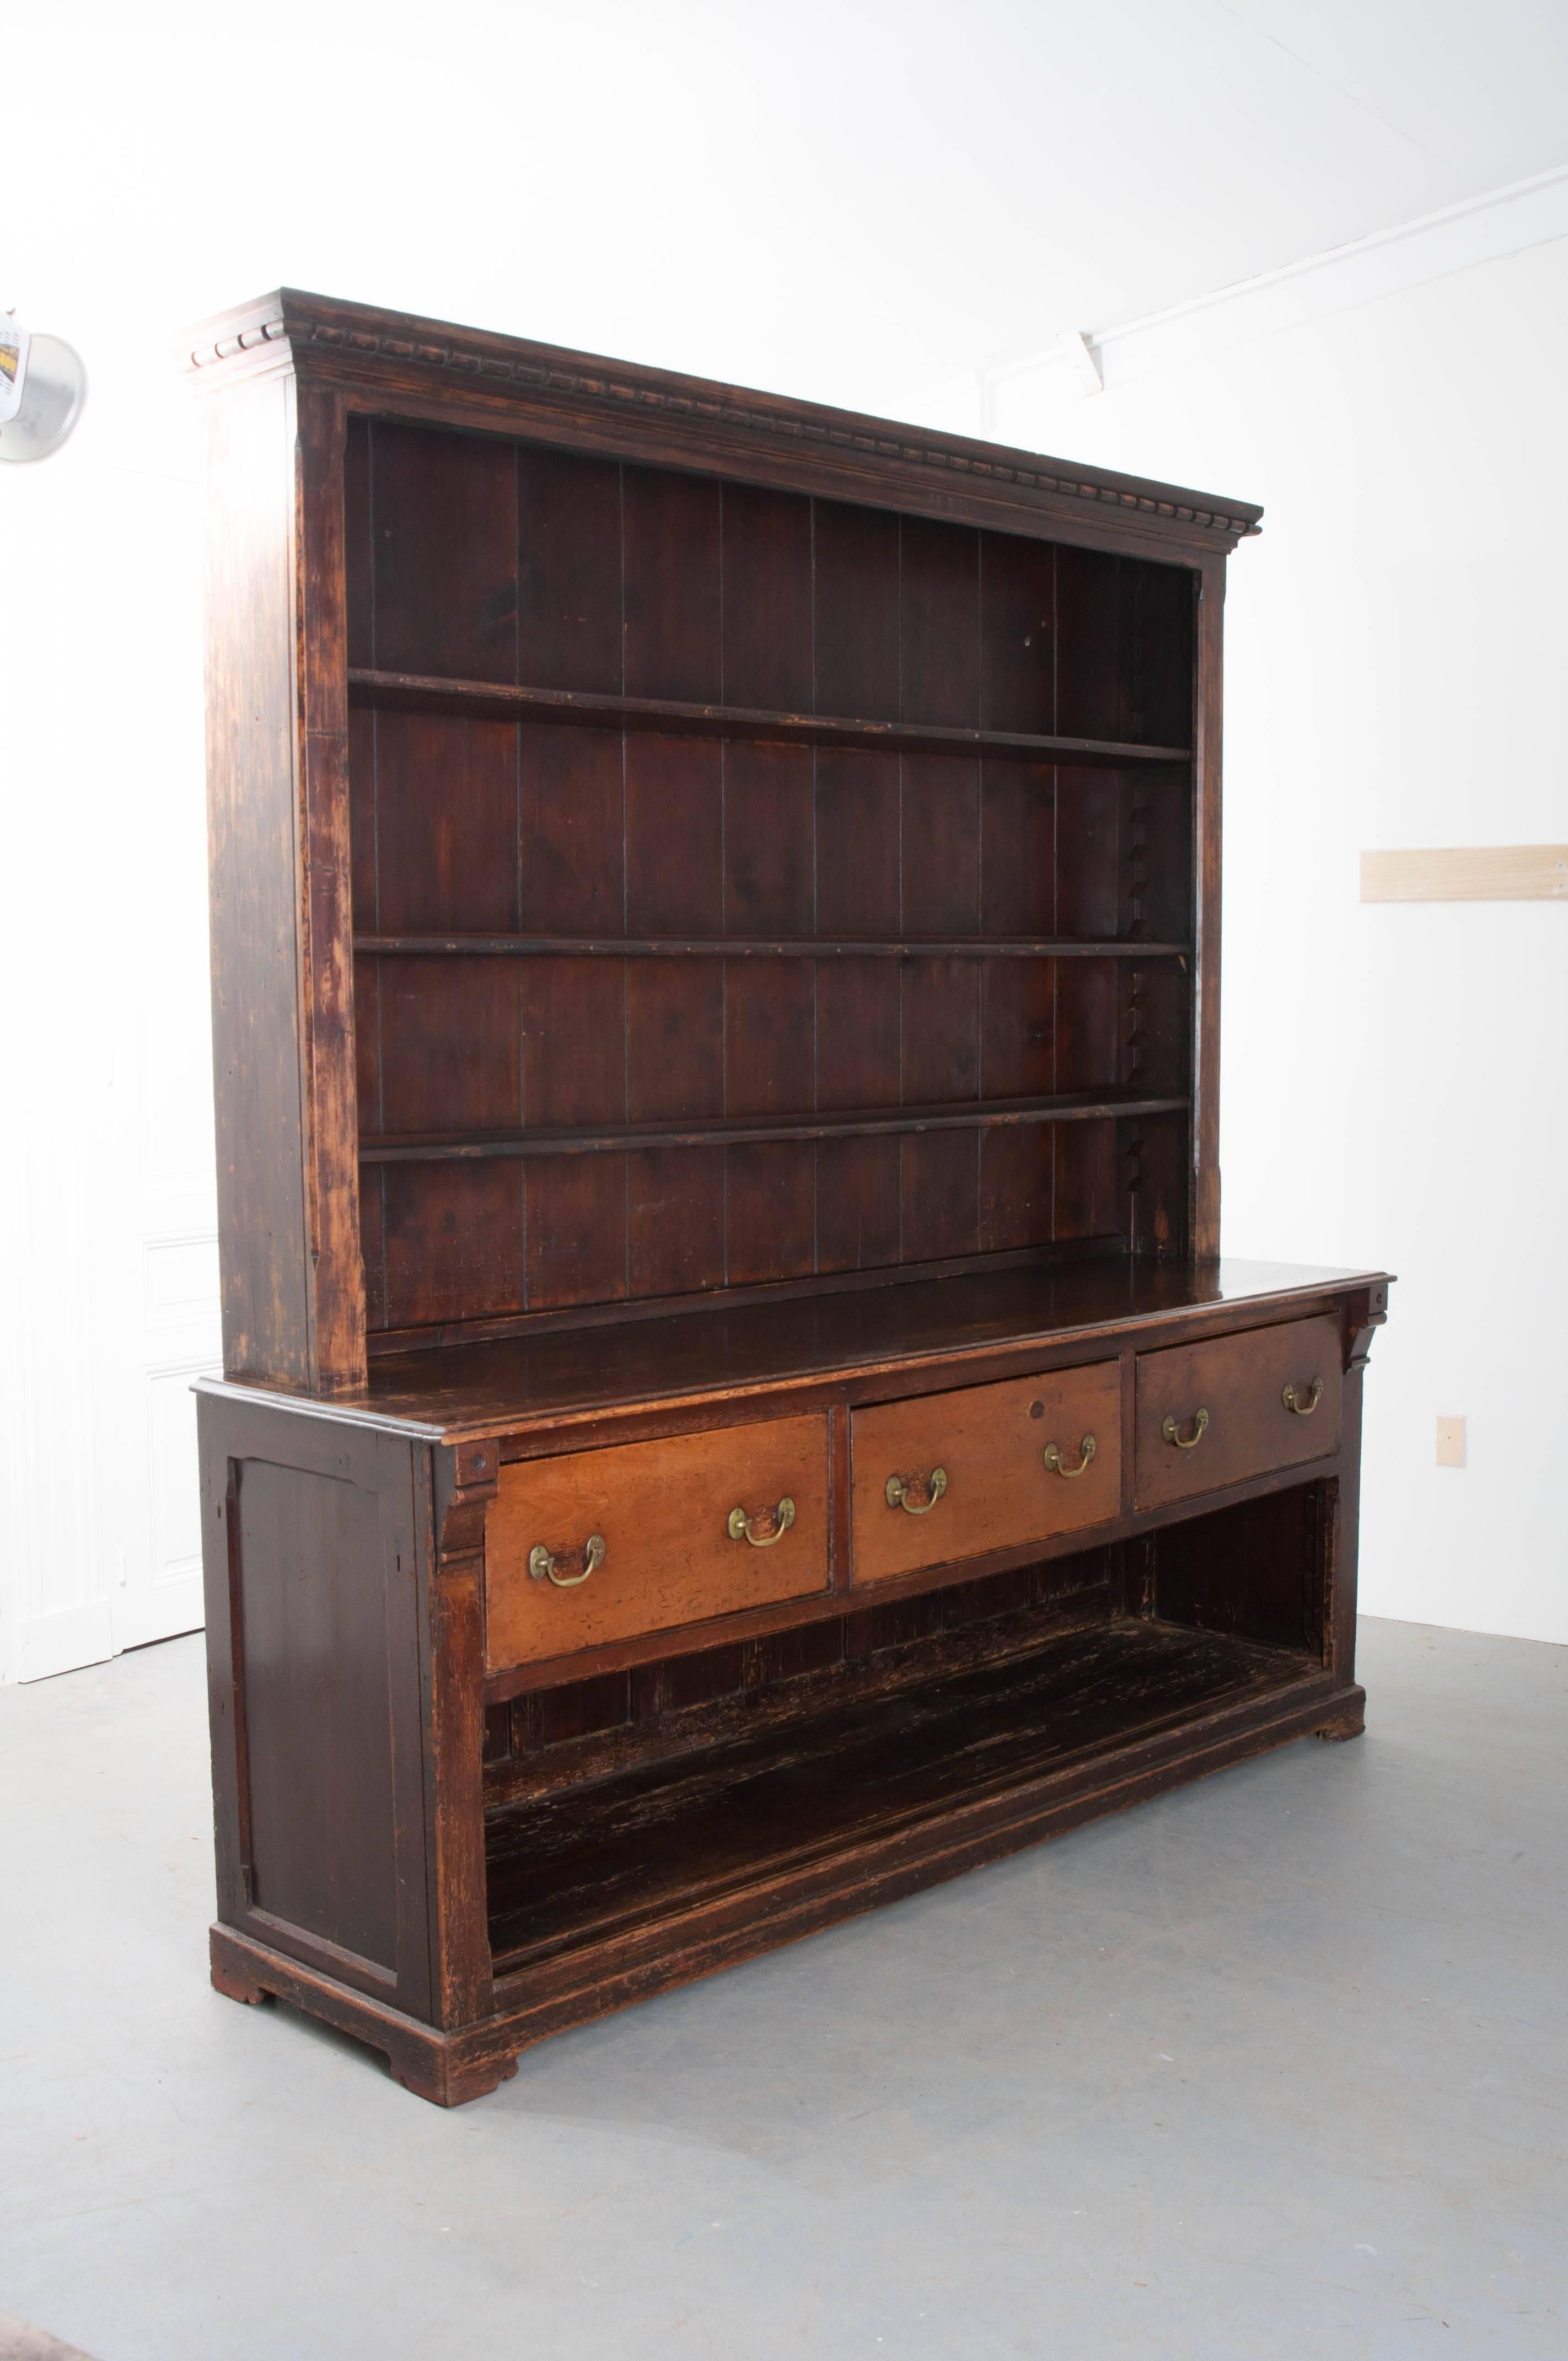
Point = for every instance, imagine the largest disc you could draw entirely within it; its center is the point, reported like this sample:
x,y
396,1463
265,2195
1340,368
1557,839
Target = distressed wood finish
x,y
714,912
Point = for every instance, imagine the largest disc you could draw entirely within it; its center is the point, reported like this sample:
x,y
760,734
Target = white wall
x,y
1394,1080
846,216
107,1208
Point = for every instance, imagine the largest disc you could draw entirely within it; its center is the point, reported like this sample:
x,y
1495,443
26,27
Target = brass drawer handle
x,y
1059,1466
544,1568
898,1493
1303,1408
1171,1434
744,1528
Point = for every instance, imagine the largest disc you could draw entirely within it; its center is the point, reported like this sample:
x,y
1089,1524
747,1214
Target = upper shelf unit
x,y
669,840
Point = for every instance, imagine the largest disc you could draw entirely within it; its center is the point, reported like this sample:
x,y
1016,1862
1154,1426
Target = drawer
x,y
1216,1413
644,1537
953,1474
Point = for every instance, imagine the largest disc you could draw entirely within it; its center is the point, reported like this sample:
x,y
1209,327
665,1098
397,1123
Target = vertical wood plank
x,y
455,1492
451,1039
571,857
331,1170
1092,682
770,1052
1086,1189
568,571
675,1219
674,1040
373,1250
770,1211
1088,837
454,1241
1017,634
940,1171
856,612
767,599
256,888
770,839
359,556
1017,849
939,576
573,1040
1090,1045
368,1043
674,836
941,1030
674,1065
445,508
859,1209
769,1036
1018,1027
859,1032
576,1230
362,819
672,588
940,1174
1207,799
446,824
1017,1174
857,844
940,832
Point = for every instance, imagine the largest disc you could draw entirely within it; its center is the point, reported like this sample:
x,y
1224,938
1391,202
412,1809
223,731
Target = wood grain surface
x,y
662,1509
1468,873
989,1440
1240,1381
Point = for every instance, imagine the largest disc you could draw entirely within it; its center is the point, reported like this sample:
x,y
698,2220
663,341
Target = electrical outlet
x,y
1450,1443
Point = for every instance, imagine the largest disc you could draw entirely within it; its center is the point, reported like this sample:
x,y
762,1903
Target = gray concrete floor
x,y
1273,2066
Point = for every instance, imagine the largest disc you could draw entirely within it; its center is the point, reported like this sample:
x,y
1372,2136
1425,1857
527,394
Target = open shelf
x,y
500,701
750,890
607,1858
1080,1106
812,947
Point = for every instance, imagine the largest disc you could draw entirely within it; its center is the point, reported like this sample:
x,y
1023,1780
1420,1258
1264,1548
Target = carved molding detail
x,y
531,376
1366,1312
467,1479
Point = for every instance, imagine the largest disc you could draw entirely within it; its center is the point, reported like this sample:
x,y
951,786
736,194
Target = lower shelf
x,y
568,1871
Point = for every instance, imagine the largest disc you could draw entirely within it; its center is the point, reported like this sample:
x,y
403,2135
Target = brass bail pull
x,y
1057,1465
1172,1432
741,1527
900,1494
1303,1408
544,1568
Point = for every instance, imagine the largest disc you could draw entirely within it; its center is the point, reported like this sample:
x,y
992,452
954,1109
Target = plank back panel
x,y
484,560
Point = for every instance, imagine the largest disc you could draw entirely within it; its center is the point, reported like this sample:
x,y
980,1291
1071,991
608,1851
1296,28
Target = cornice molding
x,y
1490,227
307,325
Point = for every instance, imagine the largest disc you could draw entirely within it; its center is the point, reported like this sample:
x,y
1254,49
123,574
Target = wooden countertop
x,y
570,1377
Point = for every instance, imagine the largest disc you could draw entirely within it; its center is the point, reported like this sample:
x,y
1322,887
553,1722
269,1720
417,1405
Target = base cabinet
x,y
506,1735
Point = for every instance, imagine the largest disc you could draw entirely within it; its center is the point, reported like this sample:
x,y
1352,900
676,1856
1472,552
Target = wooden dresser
x,y
733,1409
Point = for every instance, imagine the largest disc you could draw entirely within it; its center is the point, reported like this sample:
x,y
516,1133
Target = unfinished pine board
x,y
1479,873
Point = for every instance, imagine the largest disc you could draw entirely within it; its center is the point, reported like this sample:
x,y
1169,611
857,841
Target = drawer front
x,y
662,1513
1249,1430
995,1490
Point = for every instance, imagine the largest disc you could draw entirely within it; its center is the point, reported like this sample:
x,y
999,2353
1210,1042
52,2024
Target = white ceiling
x,y
848,200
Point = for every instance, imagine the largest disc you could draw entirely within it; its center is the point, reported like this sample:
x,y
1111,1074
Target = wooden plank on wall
x,y
1480,872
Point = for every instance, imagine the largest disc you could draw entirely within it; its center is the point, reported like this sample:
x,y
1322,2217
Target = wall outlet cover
x,y
1450,1443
